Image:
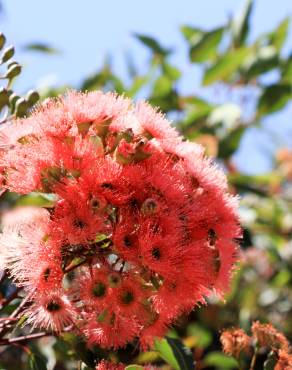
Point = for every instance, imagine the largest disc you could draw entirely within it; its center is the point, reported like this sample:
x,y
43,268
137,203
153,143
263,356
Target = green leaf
x,y
137,85
287,71
206,46
265,59
36,362
171,71
230,143
175,353
220,361
162,86
197,109
191,34
134,367
41,47
278,37
240,24
201,336
151,43
274,98
226,66
37,200
89,357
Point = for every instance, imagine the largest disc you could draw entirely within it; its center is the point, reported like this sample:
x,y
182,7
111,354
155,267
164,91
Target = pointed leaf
x,y
278,37
41,47
240,24
263,61
226,66
206,46
175,353
151,43
287,71
274,98
191,34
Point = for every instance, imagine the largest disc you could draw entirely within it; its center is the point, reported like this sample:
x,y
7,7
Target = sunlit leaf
x,y
278,37
264,60
175,353
226,66
240,24
37,200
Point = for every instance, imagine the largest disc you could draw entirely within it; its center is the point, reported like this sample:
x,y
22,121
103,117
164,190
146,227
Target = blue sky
x,y
86,31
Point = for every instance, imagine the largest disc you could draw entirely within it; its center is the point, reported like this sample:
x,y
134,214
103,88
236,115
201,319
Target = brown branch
x,y
24,338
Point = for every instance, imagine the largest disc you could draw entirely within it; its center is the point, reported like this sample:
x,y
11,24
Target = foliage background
x,y
230,89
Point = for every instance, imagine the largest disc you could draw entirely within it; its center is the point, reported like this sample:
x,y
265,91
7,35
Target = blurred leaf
x,y
264,60
201,336
36,362
79,345
175,353
147,357
134,367
196,109
162,86
41,47
151,43
220,361
230,143
278,37
274,98
191,34
206,46
240,24
226,66
37,200
287,71
171,71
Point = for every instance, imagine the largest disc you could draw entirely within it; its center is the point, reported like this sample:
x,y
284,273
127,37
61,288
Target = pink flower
x,y
141,218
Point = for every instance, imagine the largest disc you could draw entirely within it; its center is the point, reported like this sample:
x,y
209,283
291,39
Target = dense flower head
x,y
235,341
140,228
268,336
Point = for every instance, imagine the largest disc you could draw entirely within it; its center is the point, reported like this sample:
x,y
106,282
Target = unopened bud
x,y
2,40
4,97
21,107
13,71
7,54
12,101
32,97
149,207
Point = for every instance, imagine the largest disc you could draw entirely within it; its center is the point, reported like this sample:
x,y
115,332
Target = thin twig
x,y
24,338
254,358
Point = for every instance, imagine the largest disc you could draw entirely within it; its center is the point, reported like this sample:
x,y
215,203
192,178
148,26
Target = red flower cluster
x,y
141,228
